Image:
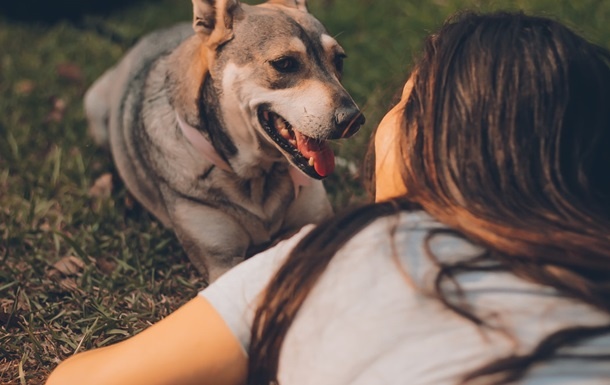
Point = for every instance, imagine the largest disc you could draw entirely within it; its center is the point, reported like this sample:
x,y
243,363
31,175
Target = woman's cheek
x,y
388,181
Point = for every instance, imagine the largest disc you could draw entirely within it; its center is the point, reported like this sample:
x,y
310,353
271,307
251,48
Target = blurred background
x,y
51,11
81,264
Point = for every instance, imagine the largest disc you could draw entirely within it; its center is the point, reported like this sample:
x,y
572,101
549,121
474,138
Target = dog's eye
x,y
286,65
339,62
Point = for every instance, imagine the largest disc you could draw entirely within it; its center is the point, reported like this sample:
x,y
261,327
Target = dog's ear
x,y
299,4
213,20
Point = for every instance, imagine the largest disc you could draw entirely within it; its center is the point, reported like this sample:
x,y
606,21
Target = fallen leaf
x,y
69,284
70,71
24,87
58,111
45,227
106,265
102,187
68,266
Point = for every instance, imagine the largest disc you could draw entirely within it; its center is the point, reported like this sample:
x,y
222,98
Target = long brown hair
x,y
506,140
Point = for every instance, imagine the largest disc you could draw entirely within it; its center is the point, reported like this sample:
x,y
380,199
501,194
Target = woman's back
x,y
368,322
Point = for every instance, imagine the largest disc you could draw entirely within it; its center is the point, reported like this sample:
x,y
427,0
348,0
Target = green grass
x,y
80,271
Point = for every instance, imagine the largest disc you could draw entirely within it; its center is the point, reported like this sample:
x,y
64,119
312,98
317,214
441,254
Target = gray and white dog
x,y
222,132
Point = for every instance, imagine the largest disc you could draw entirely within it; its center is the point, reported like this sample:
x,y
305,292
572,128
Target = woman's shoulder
x,y
234,295
404,222
410,235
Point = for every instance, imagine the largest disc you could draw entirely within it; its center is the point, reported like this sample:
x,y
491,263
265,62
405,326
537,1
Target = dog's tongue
x,y
323,156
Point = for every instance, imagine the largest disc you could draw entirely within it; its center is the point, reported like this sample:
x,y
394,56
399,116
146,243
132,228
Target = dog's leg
x,y
311,206
97,107
213,240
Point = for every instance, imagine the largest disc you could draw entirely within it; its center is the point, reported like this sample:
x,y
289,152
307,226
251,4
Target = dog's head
x,y
277,73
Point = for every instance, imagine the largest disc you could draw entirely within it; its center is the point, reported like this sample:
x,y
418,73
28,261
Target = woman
x,y
485,260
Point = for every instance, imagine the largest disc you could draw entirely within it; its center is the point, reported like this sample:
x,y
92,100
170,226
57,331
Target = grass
x,y
81,269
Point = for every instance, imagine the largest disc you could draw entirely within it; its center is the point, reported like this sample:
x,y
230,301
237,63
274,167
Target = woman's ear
x,y
213,20
299,4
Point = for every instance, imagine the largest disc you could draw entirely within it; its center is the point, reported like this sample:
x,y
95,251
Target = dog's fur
x,y
229,86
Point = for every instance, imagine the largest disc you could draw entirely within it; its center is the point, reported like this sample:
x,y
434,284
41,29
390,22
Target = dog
x,y
219,128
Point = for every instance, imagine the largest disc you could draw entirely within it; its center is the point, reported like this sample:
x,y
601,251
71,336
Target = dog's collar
x,y
205,148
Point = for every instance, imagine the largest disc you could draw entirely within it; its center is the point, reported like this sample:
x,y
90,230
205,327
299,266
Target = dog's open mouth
x,y
312,156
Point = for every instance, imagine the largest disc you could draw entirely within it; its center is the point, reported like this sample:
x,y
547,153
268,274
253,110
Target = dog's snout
x,y
348,119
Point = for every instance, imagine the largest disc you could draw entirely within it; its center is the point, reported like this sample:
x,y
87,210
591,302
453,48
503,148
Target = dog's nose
x,y
348,120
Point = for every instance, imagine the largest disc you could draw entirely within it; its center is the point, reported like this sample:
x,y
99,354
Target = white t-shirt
x,y
366,323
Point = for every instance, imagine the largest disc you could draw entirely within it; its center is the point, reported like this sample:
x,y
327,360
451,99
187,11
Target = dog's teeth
x,y
293,142
280,124
285,133
312,161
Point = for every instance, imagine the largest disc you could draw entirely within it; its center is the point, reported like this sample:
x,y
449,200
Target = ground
x,y
81,264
